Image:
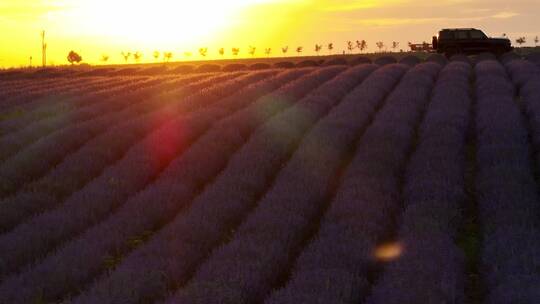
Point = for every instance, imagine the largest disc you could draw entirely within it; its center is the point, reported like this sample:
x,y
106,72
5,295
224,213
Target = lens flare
x,y
388,251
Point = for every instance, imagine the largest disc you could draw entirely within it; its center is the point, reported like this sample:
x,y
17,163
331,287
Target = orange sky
x,y
96,27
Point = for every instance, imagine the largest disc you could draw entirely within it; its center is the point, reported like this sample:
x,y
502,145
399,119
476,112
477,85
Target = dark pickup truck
x,y
469,41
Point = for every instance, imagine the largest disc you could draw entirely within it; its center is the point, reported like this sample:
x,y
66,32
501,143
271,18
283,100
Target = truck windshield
x,y
446,35
461,35
478,35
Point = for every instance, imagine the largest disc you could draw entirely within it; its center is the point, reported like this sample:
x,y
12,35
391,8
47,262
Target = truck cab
x,y
469,41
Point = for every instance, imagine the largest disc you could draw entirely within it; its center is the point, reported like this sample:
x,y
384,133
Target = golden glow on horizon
x,y
95,27
157,22
356,5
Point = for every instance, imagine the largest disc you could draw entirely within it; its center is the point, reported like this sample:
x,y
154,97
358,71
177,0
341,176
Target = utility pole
x,y
43,49
30,61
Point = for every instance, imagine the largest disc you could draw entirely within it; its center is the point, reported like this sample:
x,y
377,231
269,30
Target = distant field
x,y
183,67
346,179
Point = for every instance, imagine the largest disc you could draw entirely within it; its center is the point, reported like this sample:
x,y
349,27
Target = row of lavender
x,y
11,88
61,103
24,166
336,266
507,191
178,248
66,89
21,107
19,92
33,92
139,271
106,169
20,132
519,264
88,161
17,134
253,220
431,268
122,225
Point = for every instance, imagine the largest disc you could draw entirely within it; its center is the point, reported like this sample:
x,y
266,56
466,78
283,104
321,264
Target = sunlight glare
x,y
161,23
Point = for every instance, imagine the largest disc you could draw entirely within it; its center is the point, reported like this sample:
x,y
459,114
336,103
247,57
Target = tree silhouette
x,y
521,40
536,40
104,57
74,57
330,47
235,51
252,50
285,49
167,56
299,49
137,56
268,51
43,49
203,51
221,52
504,35
318,48
395,45
350,46
363,45
380,45
156,55
126,55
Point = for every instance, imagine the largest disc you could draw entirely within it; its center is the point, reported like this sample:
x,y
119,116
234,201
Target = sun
x,y
160,23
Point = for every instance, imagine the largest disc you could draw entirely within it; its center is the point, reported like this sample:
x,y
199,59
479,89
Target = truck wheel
x,y
451,52
499,52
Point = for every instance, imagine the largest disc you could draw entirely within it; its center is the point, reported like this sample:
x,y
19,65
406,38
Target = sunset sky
x,y
96,27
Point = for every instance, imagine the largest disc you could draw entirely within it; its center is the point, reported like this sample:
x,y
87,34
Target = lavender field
x,y
348,181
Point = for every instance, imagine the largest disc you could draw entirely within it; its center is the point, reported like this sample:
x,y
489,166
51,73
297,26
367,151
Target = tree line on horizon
x,y
361,45
166,56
